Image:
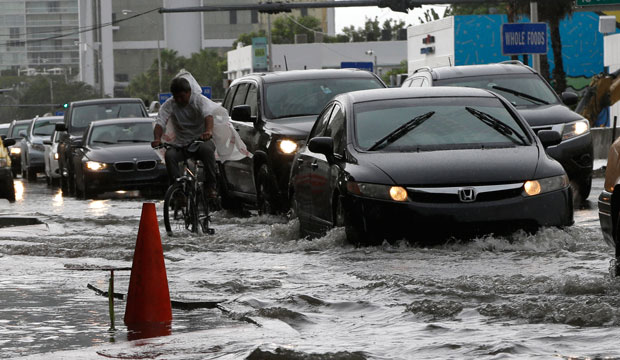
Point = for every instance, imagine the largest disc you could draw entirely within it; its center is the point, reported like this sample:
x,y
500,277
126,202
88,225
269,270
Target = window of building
x,y
121,77
254,16
14,33
52,6
304,12
233,17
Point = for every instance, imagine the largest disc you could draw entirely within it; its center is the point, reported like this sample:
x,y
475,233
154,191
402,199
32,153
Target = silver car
x,y
32,147
50,156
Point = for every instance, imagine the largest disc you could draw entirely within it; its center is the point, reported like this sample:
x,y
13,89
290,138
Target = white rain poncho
x,y
228,144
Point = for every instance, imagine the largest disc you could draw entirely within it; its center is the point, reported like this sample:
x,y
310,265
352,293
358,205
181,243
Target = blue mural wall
x,y
478,41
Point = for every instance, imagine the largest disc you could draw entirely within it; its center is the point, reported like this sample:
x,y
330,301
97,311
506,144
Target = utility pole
x,y
269,58
534,19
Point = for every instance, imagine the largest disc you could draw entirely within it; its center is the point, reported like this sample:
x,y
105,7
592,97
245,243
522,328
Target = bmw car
x,y
426,163
116,155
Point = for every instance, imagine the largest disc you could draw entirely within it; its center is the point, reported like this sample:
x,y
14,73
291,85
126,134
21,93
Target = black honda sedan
x,y
421,163
116,155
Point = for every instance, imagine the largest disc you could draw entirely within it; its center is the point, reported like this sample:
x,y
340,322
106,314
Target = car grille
x,y
144,165
447,195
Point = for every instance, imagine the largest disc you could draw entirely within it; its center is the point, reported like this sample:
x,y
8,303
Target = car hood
x,y
457,167
297,127
548,115
129,152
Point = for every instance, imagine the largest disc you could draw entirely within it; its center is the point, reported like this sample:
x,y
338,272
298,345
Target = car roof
x,y
5,125
39,118
449,72
105,101
19,122
123,121
426,92
292,75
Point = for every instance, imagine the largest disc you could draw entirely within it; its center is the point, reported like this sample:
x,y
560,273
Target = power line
x,y
79,30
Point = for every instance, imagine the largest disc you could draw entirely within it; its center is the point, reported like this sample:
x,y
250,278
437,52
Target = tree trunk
x,y
544,68
559,76
511,13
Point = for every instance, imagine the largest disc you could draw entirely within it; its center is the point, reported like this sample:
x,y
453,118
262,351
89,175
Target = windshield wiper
x,y
497,125
401,131
520,94
104,142
131,140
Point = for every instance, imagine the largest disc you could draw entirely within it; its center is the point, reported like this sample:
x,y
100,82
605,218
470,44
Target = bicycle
x,y
185,204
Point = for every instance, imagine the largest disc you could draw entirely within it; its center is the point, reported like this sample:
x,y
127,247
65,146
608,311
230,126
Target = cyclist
x,y
191,115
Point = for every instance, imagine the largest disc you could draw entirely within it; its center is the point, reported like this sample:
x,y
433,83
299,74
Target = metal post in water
x,y
111,299
613,129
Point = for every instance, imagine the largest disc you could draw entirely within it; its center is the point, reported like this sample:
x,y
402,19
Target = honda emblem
x,y
467,194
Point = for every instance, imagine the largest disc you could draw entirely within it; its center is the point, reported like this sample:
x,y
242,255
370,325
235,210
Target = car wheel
x,y
31,175
355,236
8,191
71,183
581,190
266,191
24,173
293,213
48,180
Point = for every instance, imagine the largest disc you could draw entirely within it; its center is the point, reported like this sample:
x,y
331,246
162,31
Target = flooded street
x,y
547,295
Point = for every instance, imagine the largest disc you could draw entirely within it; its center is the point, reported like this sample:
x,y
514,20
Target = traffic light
x,y
399,5
65,106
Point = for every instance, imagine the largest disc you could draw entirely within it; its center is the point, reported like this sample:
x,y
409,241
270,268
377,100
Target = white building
x,y
385,54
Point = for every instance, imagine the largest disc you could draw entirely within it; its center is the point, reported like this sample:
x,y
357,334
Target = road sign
x,y
597,2
206,91
363,65
59,113
524,38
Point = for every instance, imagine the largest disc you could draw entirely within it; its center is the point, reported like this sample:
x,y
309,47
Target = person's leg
x,y
173,157
206,153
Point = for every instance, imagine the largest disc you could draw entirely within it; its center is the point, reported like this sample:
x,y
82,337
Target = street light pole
x,y
534,19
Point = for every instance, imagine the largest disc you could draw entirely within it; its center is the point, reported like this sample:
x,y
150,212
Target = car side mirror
x,y
242,113
549,137
323,145
47,142
569,98
60,127
8,142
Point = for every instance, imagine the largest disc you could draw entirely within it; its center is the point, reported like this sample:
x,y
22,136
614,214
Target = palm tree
x,y
553,12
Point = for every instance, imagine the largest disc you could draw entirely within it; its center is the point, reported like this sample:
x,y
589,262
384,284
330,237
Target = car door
x,y
323,173
239,175
302,169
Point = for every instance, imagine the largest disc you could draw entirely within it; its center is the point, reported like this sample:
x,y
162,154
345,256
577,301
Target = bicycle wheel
x,y
177,214
202,213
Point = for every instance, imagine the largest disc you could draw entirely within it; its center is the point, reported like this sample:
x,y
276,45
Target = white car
x,y
32,146
50,156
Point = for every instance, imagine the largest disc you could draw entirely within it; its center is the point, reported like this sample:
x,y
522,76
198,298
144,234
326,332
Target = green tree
x,y
285,28
429,15
401,69
553,13
208,69
246,39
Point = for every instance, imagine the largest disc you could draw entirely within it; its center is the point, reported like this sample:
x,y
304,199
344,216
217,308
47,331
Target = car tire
x,y
31,175
581,191
8,191
355,236
266,193
293,214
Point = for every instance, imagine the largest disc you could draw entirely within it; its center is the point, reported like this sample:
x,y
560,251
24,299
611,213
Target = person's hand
x,y
155,143
208,134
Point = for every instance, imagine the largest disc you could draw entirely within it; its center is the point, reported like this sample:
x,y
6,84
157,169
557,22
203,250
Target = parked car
x,y
4,129
7,189
117,155
15,150
417,163
273,113
609,203
536,101
77,118
32,147
50,157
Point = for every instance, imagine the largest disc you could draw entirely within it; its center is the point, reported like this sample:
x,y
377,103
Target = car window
x,y
321,123
309,96
239,98
416,82
44,127
529,84
252,99
335,129
407,83
424,82
102,135
17,128
83,115
4,130
229,96
451,124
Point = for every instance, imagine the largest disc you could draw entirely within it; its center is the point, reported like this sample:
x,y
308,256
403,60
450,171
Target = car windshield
x,y
519,89
309,96
17,128
44,127
109,134
448,123
82,116
4,130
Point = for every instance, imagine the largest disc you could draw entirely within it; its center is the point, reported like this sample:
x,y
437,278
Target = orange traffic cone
x,y
148,312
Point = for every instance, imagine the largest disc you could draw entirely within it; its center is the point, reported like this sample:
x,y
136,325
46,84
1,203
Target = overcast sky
x,y
356,16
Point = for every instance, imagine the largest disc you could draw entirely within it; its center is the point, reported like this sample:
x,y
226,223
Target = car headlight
x,y
287,146
541,186
575,128
16,151
382,192
95,165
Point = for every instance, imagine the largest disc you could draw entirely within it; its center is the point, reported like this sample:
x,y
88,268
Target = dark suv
x,y
273,113
536,101
77,118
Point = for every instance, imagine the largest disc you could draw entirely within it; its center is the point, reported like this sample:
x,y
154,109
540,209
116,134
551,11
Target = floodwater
x,y
543,296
